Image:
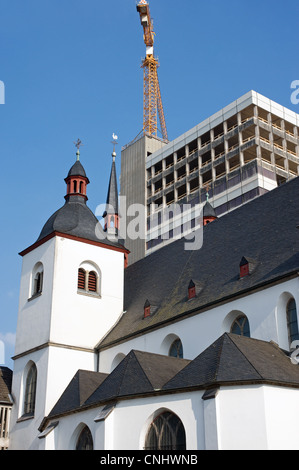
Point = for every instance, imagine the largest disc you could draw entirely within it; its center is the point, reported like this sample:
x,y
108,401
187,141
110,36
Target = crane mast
x,y
152,102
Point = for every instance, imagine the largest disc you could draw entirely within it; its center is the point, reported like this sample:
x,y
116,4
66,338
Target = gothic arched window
x,y
85,441
292,321
30,390
176,349
166,433
241,326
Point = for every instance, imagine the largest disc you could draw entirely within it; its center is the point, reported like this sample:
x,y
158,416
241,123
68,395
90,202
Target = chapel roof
x,y
231,360
139,372
263,230
234,359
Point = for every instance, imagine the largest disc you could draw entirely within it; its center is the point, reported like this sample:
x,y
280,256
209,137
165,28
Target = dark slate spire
x,y
112,195
111,211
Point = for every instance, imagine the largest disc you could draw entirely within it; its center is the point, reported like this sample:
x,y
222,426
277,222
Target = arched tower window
x,y
30,391
92,281
85,441
81,278
89,279
292,321
166,432
176,349
241,326
37,279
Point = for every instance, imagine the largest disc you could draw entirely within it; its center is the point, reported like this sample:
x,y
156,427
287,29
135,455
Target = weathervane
x,y
78,144
114,142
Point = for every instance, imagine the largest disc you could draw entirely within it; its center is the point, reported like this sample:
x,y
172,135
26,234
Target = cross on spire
x,y
78,144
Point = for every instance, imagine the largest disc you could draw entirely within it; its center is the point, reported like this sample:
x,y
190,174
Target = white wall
x,y
55,369
252,417
82,320
265,310
127,425
258,418
34,315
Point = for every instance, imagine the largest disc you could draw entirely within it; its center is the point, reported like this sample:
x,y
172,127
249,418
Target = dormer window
x,y
247,265
147,309
191,290
244,267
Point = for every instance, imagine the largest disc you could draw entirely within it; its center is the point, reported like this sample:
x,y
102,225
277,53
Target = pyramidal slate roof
x,y
5,385
83,384
230,360
237,359
138,373
263,230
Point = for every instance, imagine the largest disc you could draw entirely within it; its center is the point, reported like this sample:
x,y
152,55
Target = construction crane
x,y
152,102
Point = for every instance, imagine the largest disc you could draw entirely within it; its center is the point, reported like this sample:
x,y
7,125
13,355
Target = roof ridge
x,y
144,373
219,357
249,362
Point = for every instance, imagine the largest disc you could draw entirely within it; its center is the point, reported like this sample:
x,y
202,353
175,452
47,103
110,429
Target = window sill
x,y
89,294
25,418
34,296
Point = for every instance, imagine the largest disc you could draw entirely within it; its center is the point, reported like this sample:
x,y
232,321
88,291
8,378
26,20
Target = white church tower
x,y
71,294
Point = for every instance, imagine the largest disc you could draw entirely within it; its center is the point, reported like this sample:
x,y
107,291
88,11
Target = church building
x,y
185,349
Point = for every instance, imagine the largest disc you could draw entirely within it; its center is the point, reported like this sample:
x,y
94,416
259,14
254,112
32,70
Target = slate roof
x,y
77,169
234,359
208,210
83,384
263,230
5,385
138,373
112,195
75,218
230,360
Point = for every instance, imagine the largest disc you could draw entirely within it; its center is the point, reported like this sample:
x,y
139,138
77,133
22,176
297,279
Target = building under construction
x,y
246,149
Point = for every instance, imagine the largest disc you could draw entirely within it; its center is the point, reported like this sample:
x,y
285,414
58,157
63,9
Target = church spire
x,y
76,179
111,212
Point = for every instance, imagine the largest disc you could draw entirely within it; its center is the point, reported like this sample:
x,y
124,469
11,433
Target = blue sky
x,y
71,69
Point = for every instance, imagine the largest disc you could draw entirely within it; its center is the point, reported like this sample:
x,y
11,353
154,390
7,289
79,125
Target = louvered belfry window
x,y
81,279
92,281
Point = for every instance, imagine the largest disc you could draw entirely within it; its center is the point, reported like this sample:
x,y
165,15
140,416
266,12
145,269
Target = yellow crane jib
x,y
152,103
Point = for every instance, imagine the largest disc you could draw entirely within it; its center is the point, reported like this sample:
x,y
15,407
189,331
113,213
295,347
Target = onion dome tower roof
x,y
75,218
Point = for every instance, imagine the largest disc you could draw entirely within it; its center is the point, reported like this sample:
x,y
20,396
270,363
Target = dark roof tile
x,y
258,230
